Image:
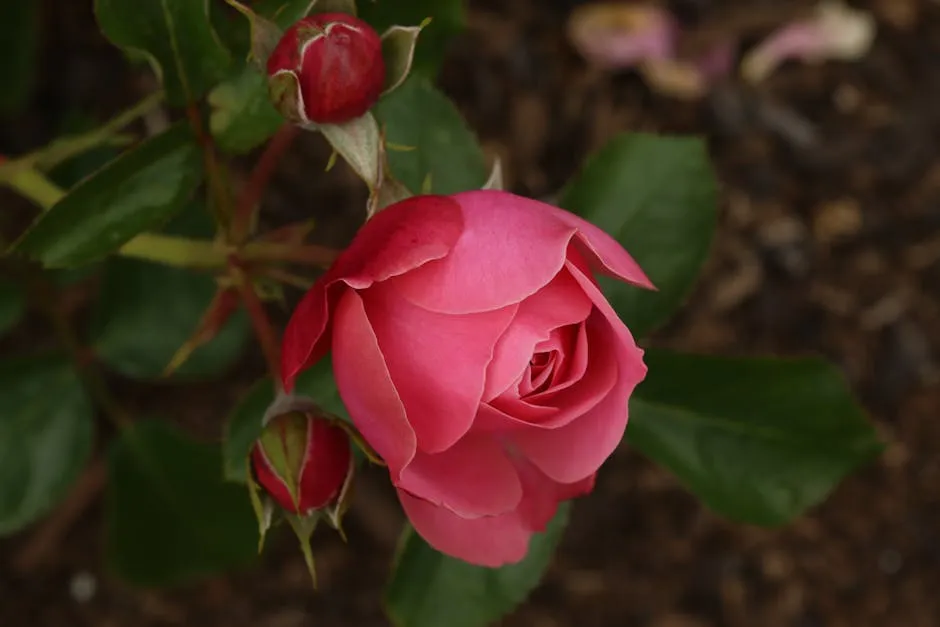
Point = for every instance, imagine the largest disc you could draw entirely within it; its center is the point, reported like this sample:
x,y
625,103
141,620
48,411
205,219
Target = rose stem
x,y
258,181
260,321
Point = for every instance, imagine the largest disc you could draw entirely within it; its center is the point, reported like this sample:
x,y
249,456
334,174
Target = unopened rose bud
x,y
326,69
304,462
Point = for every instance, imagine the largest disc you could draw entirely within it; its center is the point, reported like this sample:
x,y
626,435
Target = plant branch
x,y
67,147
264,330
220,197
176,251
250,197
32,184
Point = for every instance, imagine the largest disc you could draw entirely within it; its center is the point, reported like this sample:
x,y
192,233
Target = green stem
x,y
68,147
176,251
32,184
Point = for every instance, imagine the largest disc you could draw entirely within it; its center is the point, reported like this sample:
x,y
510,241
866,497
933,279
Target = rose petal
x,y
510,248
573,452
561,302
491,541
578,449
555,408
301,345
404,236
542,495
437,362
532,379
604,253
473,478
494,540
575,364
580,272
366,388
622,35
400,238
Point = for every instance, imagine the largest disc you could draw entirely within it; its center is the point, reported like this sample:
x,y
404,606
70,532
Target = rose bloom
x,y
477,356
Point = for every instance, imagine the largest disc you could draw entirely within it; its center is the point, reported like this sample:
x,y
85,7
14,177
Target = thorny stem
x,y
258,181
220,198
260,321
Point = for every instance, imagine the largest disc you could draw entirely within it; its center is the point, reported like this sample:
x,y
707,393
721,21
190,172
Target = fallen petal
x,y
622,35
836,32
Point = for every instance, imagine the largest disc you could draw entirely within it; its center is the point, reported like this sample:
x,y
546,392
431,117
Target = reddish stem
x,y
258,181
218,190
264,330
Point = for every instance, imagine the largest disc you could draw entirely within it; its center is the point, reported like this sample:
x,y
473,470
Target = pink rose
x,y
476,354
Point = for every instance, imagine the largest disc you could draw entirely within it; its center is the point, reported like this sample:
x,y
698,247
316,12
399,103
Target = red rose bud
x,y
304,462
327,69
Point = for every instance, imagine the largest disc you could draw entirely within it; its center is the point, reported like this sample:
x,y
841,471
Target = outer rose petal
x,y
490,541
402,237
366,387
603,251
473,478
437,362
510,248
494,540
559,303
542,495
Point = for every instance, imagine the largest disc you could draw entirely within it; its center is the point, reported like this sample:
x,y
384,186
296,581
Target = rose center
x,y
541,368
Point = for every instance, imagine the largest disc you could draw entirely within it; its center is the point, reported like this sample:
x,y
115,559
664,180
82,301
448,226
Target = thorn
x,y
331,162
220,309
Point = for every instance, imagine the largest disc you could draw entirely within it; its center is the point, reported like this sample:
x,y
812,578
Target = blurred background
x,y
829,244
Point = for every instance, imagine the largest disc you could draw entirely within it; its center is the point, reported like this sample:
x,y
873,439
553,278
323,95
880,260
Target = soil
x,y
829,244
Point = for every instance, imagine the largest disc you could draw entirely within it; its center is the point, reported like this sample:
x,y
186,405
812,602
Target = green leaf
x,y
657,197
139,190
758,440
447,19
46,436
145,312
429,589
176,36
419,116
234,26
244,424
12,305
19,39
242,114
171,517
